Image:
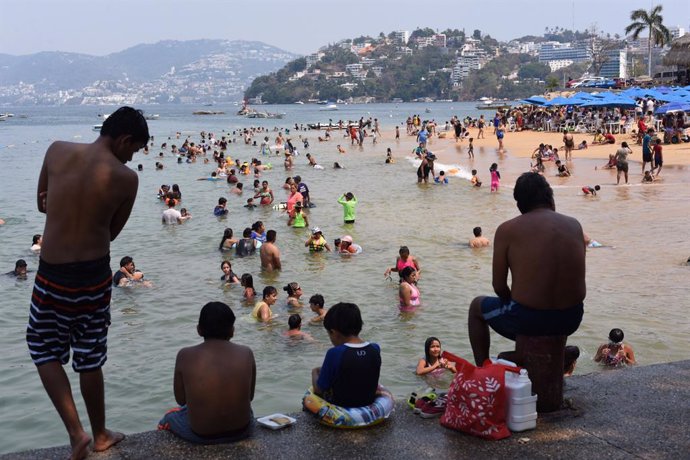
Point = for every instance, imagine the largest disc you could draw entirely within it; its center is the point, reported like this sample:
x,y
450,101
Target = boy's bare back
x,y
216,381
87,193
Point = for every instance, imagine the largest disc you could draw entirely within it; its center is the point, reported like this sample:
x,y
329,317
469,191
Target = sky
x,y
100,27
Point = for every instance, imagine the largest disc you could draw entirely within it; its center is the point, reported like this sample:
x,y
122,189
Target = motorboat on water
x,y
153,116
328,108
489,104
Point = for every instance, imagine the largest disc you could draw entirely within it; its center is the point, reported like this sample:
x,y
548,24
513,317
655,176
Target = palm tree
x,y
658,33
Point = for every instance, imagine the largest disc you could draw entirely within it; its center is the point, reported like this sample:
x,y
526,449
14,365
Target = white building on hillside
x,y
402,36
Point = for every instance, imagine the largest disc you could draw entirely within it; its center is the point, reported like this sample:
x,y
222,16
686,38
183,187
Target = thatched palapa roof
x,y
680,52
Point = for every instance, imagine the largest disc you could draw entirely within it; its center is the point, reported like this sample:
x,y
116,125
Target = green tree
x,y
658,33
534,70
477,34
551,83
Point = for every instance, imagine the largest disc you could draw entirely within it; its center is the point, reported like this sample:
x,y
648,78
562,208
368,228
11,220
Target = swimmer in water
x,y
408,291
432,360
295,328
316,304
294,292
615,352
587,190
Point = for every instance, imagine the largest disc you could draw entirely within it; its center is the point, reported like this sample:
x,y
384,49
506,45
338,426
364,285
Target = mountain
x,y
167,71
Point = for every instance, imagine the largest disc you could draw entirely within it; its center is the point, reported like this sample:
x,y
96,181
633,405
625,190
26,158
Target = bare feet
x,y
80,447
107,440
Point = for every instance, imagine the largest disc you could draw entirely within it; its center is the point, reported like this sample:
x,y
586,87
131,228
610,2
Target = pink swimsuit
x,y
414,298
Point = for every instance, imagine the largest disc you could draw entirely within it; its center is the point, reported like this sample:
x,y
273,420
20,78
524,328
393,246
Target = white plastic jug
x,y
521,412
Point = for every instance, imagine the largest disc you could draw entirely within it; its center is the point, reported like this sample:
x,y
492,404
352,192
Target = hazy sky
x,y
101,27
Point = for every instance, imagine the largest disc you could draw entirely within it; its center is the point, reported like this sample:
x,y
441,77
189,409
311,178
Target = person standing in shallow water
x,y
548,273
87,194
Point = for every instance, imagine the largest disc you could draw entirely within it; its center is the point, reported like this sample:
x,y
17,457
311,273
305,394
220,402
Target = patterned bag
x,y
477,399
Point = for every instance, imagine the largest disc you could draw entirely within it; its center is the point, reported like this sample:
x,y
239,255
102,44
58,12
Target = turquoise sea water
x,y
640,285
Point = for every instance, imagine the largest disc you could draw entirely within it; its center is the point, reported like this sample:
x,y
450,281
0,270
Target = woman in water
x,y
266,194
293,198
408,291
432,361
294,292
229,276
228,241
405,259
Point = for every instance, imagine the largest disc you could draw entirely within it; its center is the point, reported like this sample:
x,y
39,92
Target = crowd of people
x,y
82,254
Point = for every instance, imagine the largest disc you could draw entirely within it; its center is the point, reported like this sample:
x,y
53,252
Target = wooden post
x,y
543,358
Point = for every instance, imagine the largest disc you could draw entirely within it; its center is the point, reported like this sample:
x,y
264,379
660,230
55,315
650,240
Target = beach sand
x,y
519,147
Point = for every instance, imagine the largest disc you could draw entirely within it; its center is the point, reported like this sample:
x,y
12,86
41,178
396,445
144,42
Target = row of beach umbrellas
x,y
676,99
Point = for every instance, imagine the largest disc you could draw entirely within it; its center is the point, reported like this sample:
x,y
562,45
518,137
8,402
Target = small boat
x,y
97,128
328,108
299,102
208,112
153,116
427,110
488,104
331,125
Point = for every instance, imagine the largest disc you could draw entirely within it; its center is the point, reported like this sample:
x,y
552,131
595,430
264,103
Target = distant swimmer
x,y
479,241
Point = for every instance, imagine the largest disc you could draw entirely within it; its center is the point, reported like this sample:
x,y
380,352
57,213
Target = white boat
x,y
299,102
97,128
328,108
488,104
153,116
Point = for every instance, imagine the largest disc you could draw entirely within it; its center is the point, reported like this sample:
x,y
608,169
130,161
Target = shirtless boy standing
x,y
214,384
270,255
87,193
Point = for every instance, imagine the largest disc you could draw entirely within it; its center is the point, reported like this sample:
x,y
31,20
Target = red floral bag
x,y
477,399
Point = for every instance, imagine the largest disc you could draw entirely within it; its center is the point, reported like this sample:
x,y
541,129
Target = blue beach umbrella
x,y
562,101
673,107
534,100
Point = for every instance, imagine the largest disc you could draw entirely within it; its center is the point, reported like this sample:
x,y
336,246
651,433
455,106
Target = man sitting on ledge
x,y
545,253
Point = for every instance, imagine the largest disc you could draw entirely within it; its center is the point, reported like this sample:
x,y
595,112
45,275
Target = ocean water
x,y
638,283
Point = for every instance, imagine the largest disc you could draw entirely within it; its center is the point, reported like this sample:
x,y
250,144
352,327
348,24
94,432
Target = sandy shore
x,y
519,147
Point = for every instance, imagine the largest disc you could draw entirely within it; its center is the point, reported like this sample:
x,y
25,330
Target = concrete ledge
x,y
641,412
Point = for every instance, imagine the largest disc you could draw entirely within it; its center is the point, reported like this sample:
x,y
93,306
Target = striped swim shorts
x,y
70,307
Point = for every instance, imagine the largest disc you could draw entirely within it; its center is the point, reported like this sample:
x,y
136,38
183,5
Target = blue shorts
x,y
513,319
177,421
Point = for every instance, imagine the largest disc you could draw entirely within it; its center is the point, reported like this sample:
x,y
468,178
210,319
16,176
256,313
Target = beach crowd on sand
x,y
73,283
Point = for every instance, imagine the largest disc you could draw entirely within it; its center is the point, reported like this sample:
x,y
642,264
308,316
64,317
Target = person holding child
x,y
215,400
349,375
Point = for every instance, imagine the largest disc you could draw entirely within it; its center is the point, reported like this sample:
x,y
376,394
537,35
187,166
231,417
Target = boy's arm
x,y
342,200
178,381
122,213
629,355
253,383
314,379
42,192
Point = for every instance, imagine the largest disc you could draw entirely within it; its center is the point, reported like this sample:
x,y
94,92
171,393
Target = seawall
x,y
640,412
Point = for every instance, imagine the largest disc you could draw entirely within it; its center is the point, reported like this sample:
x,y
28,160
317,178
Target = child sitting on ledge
x,y
213,384
349,376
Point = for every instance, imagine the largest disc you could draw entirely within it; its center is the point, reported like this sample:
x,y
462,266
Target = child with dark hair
x,y
215,401
316,303
432,360
247,282
295,328
262,309
349,375
615,352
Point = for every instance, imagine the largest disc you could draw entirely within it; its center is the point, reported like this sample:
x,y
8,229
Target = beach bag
x,y
477,399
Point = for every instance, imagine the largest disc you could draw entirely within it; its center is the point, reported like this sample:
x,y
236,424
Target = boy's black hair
x,y
294,321
126,121
247,232
532,191
344,318
271,236
477,231
216,321
125,261
317,299
268,290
